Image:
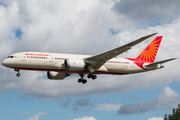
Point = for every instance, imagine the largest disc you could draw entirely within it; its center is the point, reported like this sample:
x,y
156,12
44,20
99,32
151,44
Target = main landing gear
x,y
91,75
18,74
82,80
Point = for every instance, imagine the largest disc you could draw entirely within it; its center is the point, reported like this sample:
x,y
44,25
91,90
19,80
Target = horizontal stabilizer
x,y
158,64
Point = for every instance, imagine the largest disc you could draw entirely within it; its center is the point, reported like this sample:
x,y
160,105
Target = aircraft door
x,y
23,57
50,60
133,64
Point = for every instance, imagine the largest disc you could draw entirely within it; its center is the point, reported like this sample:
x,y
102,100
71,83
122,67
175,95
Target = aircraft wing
x,y
95,62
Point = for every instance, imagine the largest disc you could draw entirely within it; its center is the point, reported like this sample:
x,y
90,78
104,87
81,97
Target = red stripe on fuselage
x,y
78,72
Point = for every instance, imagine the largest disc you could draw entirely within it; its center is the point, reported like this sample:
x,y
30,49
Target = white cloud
x,y
156,118
65,26
167,99
82,105
85,5
148,12
37,117
87,104
86,118
108,106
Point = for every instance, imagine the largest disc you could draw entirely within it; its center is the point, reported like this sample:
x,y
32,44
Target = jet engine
x,y
56,75
74,64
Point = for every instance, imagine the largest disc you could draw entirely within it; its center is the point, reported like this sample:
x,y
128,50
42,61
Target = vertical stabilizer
x,y
149,53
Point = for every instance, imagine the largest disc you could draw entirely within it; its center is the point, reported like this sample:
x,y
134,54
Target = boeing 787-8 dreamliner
x,y
60,66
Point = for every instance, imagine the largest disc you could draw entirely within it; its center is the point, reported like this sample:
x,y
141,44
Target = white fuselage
x,y
59,66
55,62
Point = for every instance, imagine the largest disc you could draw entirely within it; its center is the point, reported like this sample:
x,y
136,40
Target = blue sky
x,y
23,108
18,33
88,27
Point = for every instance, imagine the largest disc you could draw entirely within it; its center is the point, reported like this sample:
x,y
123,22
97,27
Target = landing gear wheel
x,y
94,77
18,74
80,80
84,81
89,76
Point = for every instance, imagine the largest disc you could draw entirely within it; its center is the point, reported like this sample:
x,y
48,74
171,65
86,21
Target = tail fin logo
x,y
149,53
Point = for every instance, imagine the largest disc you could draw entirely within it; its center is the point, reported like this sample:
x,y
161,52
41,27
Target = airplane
x,y
59,66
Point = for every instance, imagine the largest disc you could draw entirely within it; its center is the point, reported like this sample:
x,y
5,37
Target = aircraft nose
x,y
4,63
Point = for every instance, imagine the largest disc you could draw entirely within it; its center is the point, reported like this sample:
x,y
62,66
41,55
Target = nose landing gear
x,y
18,74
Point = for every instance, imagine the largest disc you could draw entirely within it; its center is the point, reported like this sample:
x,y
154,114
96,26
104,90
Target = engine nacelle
x,y
74,64
56,75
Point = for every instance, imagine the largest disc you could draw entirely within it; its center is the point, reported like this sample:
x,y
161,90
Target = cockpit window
x,y
10,56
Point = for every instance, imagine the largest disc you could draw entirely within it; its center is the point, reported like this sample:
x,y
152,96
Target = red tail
x,y
149,53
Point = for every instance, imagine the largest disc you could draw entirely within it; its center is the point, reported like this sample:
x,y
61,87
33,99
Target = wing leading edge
x,y
95,62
